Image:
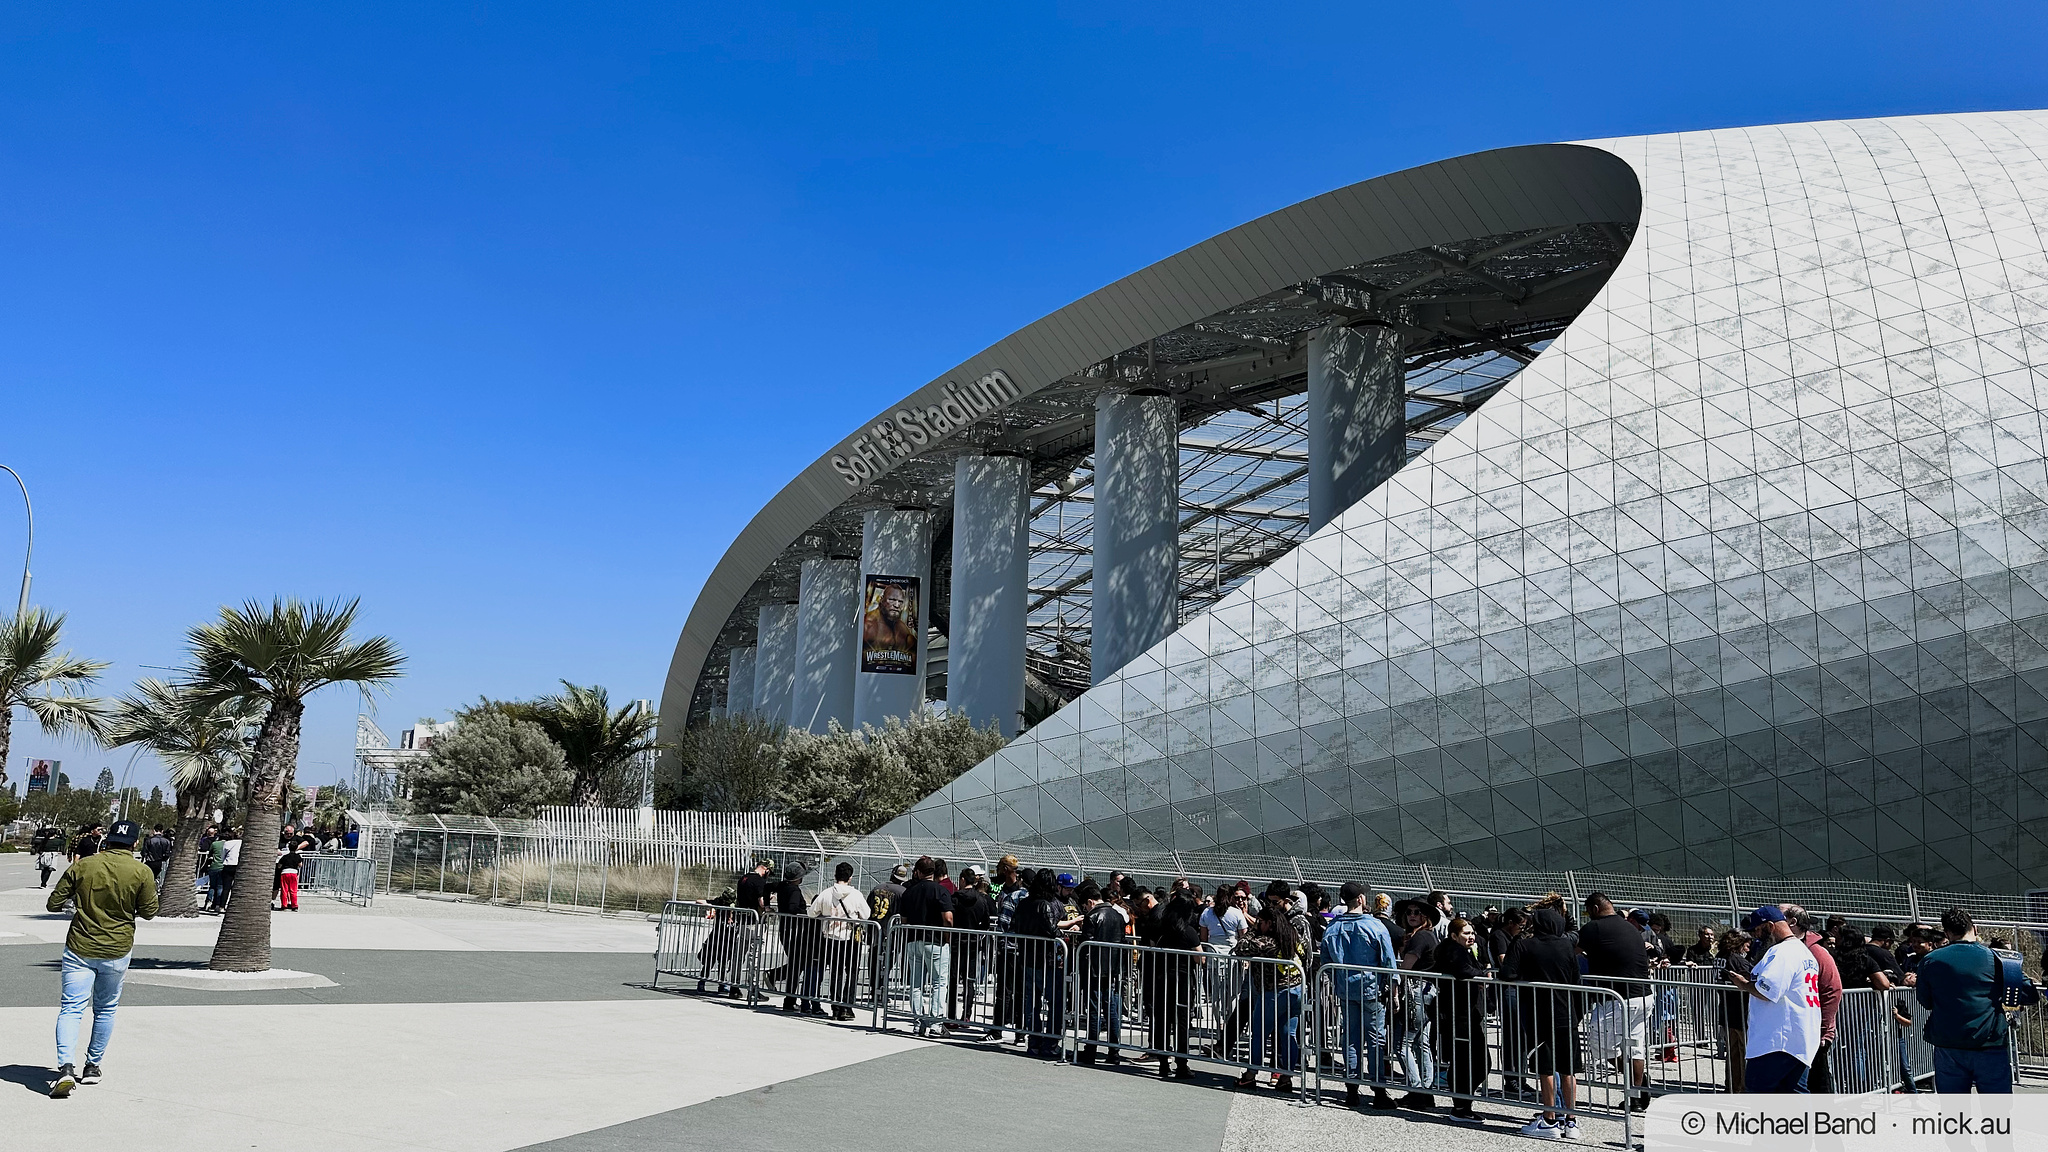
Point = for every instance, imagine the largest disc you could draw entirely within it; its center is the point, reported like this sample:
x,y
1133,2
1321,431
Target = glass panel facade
x,y
1747,573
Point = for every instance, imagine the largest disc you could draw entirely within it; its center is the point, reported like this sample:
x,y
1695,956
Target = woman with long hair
x,y
1277,976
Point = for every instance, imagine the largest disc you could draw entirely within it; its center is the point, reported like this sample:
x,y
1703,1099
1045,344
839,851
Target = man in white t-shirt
x,y
1784,1012
1221,925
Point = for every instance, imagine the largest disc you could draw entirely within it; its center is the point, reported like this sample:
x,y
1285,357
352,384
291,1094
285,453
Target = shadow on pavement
x,y
34,1079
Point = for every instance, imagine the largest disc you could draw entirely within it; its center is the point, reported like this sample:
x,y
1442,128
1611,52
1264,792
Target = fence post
x,y
1427,883
444,862
1913,902
604,871
497,862
675,886
1296,864
1179,868
1571,885
1734,903
551,873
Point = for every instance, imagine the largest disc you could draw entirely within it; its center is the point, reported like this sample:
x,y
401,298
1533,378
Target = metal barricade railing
x,y
1525,1045
2030,1042
963,981
1169,1004
1865,1055
717,946
341,876
1673,1024
818,962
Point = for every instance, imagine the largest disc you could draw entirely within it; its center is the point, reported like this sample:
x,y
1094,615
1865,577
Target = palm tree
x,y
597,741
275,657
203,742
36,676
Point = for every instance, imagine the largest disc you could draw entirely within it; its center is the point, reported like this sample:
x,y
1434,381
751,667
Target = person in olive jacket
x,y
110,889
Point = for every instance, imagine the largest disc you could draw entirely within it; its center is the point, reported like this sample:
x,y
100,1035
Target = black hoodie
x,y
1544,955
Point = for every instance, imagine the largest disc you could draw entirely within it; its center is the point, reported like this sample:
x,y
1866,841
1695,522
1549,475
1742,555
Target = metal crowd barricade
x,y
717,946
1916,1055
1865,1055
1471,1040
342,876
1169,1004
1674,1023
2029,1031
818,962
962,980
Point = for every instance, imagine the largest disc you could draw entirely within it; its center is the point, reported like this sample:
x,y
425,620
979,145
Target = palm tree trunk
x,y
583,793
7,743
181,871
244,941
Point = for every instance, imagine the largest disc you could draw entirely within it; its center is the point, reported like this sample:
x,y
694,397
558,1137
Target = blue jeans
x,y
1103,1011
1418,1055
1040,1012
1957,1069
1275,1014
924,966
1365,1038
100,982
1775,1072
1908,1084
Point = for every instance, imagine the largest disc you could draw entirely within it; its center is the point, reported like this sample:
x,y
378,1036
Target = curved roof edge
x,y
1502,190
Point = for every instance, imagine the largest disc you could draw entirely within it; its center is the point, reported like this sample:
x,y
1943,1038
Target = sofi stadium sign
x,y
902,433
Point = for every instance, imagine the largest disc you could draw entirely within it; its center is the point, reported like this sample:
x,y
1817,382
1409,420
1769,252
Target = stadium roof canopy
x,y
1476,262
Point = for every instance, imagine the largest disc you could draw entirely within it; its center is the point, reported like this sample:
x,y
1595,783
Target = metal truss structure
x,y
1470,315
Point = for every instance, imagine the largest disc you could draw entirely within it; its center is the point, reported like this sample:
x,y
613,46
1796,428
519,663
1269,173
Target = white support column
x,y
739,682
991,537
774,661
827,650
1357,417
1137,527
896,543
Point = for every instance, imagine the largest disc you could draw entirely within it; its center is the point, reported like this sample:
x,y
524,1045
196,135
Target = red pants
x,y
288,891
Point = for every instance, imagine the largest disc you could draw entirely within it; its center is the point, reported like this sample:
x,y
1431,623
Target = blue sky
x,y
505,318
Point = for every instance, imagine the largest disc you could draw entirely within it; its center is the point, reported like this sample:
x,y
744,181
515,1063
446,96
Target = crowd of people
x,y
1421,999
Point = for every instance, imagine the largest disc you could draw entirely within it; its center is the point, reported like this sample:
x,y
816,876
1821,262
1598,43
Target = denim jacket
x,y
1356,938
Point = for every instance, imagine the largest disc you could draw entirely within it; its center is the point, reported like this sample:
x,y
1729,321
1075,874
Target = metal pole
x,y
497,863
1913,902
604,871
1734,903
21,609
444,862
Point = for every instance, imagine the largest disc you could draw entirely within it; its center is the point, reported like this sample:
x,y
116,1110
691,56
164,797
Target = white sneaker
x,y
1541,1129
1568,1128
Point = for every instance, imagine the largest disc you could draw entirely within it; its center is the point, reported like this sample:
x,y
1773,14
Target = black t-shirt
x,y
973,909
1614,948
925,904
753,893
87,845
1418,948
291,859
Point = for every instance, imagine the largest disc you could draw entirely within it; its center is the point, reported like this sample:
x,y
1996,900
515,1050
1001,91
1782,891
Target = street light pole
x,y
21,609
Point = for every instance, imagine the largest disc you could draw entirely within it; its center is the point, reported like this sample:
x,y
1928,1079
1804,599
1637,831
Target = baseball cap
x,y
124,833
900,873
1766,913
1065,879
970,873
1638,915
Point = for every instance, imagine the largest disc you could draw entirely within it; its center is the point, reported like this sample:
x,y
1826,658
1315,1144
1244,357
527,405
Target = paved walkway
x,y
468,1028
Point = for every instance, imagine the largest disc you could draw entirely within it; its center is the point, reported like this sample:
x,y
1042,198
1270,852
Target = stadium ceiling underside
x,y
1470,313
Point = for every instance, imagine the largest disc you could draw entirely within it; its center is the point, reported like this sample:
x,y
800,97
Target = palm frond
x,y
287,649
32,665
82,715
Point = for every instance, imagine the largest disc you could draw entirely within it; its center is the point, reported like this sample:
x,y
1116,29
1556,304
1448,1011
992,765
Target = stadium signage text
x,y
903,432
